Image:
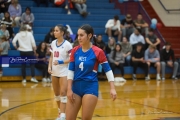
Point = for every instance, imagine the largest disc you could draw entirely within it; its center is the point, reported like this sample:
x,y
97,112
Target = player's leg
x,y
72,109
88,105
175,70
149,65
56,89
163,68
158,69
63,94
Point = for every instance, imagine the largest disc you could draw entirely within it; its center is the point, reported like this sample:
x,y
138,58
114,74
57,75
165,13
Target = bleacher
x,y
46,17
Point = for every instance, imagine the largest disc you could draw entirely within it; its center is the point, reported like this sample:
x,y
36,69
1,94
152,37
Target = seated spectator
x,y
15,12
38,2
110,46
67,37
4,46
140,23
2,9
127,26
126,49
81,7
7,20
116,59
152,58
27,17
49,37
100,43
5,32
167,58
42,65
138,61
136,37
67,6
152,39
113,28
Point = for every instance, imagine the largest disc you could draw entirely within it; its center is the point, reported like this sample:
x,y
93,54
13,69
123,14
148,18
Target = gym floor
x,y
137,100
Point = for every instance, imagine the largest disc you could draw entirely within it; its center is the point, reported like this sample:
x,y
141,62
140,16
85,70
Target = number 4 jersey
x,y
85,64
60,52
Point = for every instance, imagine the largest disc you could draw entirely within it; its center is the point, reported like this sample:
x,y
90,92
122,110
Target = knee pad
x,y
64,99
57,98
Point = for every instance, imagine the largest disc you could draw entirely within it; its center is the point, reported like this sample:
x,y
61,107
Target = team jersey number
x,y
56,54
81,66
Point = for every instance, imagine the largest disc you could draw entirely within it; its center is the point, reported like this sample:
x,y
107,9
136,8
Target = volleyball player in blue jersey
x,y
82,76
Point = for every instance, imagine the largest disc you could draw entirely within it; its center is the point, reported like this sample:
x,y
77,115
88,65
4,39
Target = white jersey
x,y
60,52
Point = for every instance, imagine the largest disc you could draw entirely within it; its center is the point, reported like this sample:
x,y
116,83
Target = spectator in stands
x,y
152,39
7,20
136,37
113,28
49,37
138,61
27,47
42,65
27,17
167,58
110,46
4,31
139,22
81,7
67,37
2,9
99,42
127,26
152,58
126,49
15,12
38,2
4,46
116,59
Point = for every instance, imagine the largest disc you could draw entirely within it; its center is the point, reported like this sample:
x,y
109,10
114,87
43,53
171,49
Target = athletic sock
x,y
63,115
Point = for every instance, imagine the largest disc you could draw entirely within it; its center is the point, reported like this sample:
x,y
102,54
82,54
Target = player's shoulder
x,y
96,49
76,48
67,43
53,42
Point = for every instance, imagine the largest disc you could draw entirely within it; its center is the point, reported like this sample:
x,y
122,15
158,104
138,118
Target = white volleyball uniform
x,y
60,52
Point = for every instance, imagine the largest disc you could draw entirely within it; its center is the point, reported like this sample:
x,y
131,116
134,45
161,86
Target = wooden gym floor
x,y
138,100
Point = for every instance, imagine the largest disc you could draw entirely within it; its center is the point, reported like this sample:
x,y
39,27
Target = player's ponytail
x,y
62,28
88,30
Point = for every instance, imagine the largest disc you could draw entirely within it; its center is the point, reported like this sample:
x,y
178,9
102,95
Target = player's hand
x,y
55,62
49,71
113,94
70,95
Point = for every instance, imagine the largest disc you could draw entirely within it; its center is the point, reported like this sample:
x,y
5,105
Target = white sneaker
x,y
34,80
147,78
48,80
44,80
158,77
163,79
69,12
24,81
62,118
66,7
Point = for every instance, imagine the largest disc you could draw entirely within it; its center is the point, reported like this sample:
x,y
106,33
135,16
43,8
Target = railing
x,y
140,9
150,20
168,10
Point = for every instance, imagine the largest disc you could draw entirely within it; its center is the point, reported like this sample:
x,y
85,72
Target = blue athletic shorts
x,y
82,88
